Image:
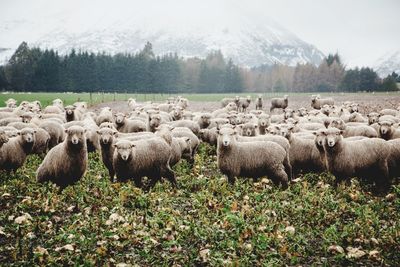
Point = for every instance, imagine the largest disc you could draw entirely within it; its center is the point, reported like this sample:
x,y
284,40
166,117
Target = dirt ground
x,y
368,103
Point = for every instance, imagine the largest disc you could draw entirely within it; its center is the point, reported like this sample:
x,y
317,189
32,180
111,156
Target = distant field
x,y
96,98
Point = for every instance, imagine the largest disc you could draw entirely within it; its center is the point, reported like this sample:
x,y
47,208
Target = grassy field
x,y
96,98
205,222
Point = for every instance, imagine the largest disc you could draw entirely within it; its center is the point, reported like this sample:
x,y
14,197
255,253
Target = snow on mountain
x,y
388,63
249,40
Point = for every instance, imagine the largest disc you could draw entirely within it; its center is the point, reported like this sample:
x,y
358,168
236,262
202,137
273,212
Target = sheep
x,y
303,153
225,101
53,110
57,117
248,129
187,115
92,139
107,140
148,157
153,122
250,118
259,102
66,163
356,117
209,136
217,122
362,130
176,113
302,112
125,125
388,111
279,103
3,137
13,153
250,159
10,131
389,118
195,142
41,143
132,103
229,107
181,146
58,103
394,158
11,103
387,131
107,125
288,113
373,117
192,125
365,158
244,103
165,107
182,102
55,130
263,123
21,125
72,114
6,121
105,115
317,102
204,120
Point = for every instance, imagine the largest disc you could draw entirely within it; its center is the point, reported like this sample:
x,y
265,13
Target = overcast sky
x,y
360,30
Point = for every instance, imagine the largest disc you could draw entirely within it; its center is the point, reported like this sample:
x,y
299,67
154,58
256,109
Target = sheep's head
x,y
28,135
69,110
249,129
338,123
154,120
27,117
226,136
106,135
320,138
11,103
3,137
177,112
302,112
274,129
385,127
123,149
289,113
264,120
76,135
353,108
248,117
120,118
231,106
333,137
373,117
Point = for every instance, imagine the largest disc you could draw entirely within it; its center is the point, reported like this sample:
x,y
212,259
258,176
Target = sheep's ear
x,y
171,128
379,123
314,133
368,115
40,116
19,133
115,145
341,132
133,145
66,130
84,130
379,115
255,126
217,131
296,122
98,132
34,131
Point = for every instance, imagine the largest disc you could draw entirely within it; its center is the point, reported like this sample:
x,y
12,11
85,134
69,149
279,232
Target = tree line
x,y
37,70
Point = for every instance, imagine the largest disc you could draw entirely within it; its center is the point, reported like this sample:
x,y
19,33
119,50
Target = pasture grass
x,y
99,97
204,222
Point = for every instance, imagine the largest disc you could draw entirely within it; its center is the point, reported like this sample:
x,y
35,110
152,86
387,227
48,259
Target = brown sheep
x,y
362,130
251,159
263,123
365,158
317,102
279,103
55,130
13,153
105,115
387,130
66,163
148,157
107,141
125,125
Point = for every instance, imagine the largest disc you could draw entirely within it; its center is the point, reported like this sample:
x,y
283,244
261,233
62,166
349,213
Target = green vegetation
x,y
205,221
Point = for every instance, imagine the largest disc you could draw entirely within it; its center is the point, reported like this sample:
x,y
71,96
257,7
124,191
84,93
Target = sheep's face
x,y
69,110
231,106
3,137
249,129
11,103
333,137
106,135
239,120
28,135
319,138
226,136
339,124
263,121
177,113
119,118
248,117
124,149
385,127
289,113
275,130
76,135
232,119
205,119
354,108
285,131
155,120
373,117
26,118
302,112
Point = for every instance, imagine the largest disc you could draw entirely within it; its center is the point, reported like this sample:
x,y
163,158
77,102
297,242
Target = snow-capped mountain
x,y
249,40
388,63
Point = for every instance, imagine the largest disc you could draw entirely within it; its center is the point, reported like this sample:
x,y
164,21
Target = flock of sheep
x,y
151,138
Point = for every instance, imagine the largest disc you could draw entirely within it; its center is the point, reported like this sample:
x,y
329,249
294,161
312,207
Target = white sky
x,y
360,30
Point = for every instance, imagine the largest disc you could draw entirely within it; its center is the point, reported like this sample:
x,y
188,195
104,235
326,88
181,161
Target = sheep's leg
x,y
271,109
279,176
138,182
231,179
112,174
339,179
383,182
288,168
170,175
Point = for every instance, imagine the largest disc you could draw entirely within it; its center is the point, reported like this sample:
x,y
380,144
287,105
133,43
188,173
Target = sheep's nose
x,y
331,143
75,141
124,157
225,143
105,141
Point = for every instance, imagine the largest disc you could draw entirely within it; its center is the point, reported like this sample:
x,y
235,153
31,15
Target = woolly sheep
x,y
318,103
105,115
55,130
176,113
225,101
204,120
41,143
72,114
53,110
388,111
387,131
13,153
66,163
244,103
11,103
248,129
3,138
125,125
209,136
263,123
279,103
362,130
251,159
195,142
259,103
365,158
148,157
373,117
107,141
192,125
